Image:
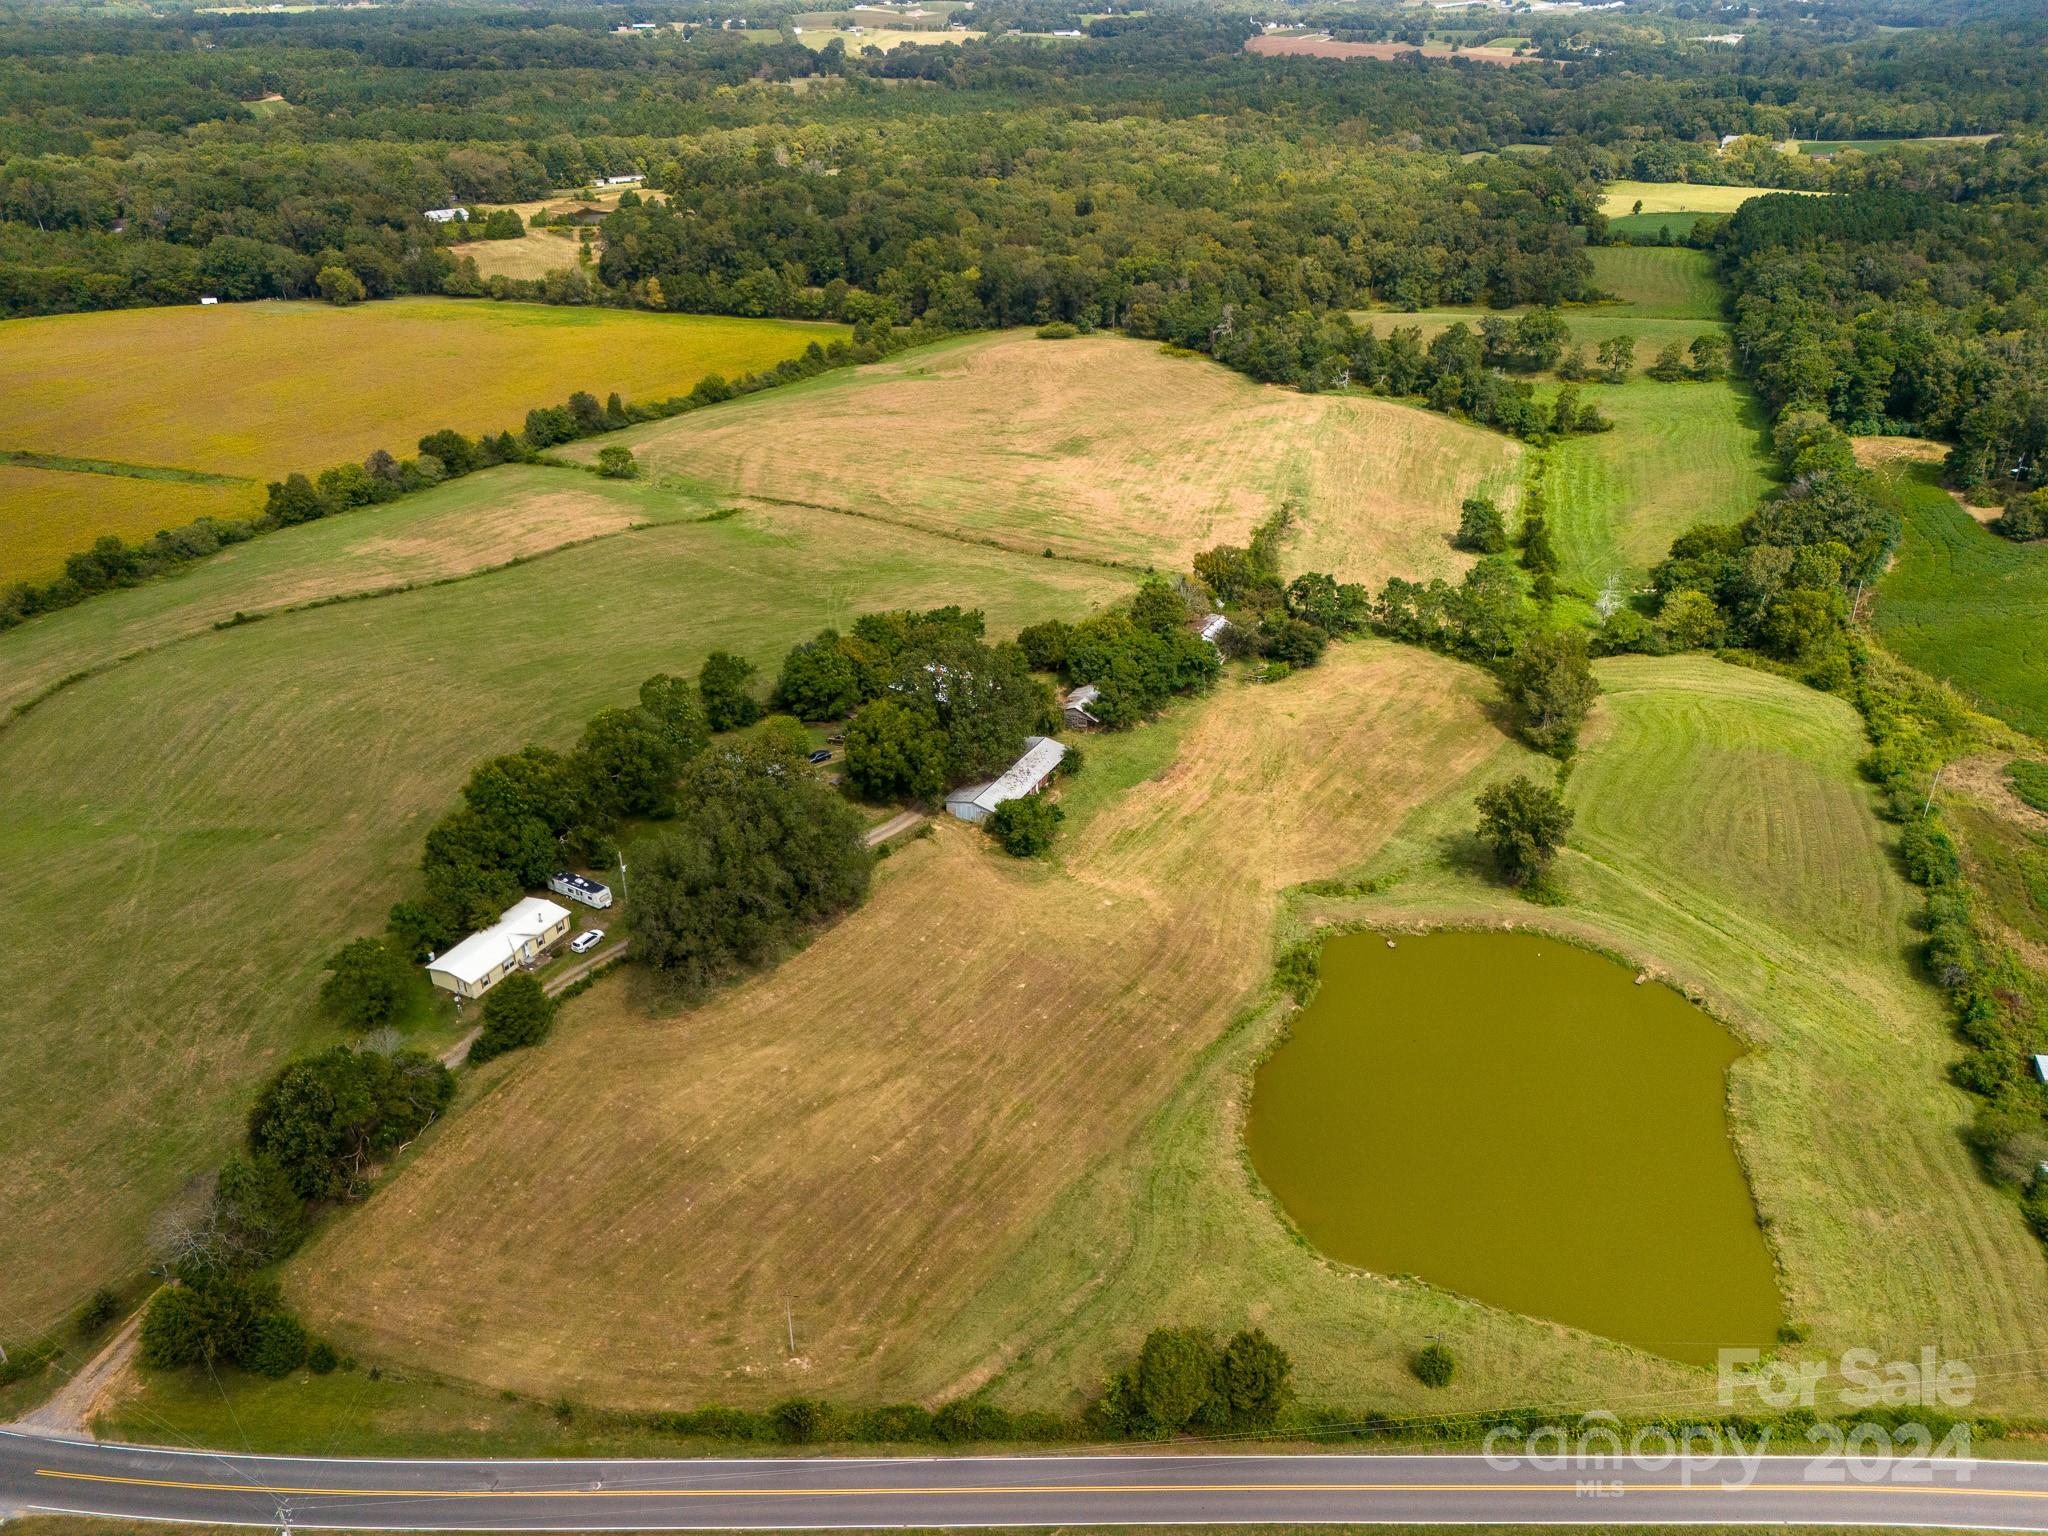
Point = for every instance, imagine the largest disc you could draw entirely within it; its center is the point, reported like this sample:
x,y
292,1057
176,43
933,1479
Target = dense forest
x,y
1917,310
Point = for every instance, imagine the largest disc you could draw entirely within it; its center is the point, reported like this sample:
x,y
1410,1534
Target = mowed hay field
x,y
1679,453
1966,605
45,514
1724,841
863,1140
467,525
918,1136
257,390
227,810
1620,197
1101,448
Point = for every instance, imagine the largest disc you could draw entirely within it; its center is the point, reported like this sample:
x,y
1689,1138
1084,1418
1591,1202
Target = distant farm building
x,y
1212,629
1075,707
446,215
1026,776
207,298
519,938
622,181
579,888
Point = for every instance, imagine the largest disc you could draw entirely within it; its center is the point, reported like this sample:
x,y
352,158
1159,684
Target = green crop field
x,y
1966,605
257,390
274,805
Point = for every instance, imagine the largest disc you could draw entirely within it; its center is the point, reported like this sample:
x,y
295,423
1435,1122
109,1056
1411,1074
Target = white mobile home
x,y
1026,776
577,888
519,938
446,215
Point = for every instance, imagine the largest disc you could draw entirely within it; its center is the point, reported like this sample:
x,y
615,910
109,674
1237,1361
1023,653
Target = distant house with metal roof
x,y
446,215
1213,627
1074,708
1026,776
518,938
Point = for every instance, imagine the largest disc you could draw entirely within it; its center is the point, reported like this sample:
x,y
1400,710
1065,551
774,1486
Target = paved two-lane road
x,y
220,1488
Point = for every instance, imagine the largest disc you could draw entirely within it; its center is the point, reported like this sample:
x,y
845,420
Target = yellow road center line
x,y
1019,1489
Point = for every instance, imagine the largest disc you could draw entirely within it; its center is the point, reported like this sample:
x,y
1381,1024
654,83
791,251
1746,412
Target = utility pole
x,y
1931,786
789,1322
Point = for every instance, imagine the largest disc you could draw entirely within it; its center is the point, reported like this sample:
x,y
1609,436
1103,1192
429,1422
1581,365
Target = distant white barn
x,y
525,931
446,215
1026,776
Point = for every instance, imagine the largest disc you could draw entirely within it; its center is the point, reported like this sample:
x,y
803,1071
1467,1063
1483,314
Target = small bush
x,y
1025,826
321,1359
517,1012
617,463
1057,330
1434,1366
798,1420
100,1309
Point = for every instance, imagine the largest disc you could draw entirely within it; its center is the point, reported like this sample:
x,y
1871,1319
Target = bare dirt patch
x,y
1876,452
855,1142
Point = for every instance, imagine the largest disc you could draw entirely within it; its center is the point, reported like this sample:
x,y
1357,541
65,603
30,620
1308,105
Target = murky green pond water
x,y
1515,1119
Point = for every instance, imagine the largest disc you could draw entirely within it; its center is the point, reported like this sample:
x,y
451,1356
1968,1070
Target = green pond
x,y
1516,1120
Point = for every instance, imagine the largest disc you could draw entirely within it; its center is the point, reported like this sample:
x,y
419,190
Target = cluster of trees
x,y
1185,1379
1914,310
1138,656
1545,672
1782,580
760,851
949,707
314,1131
113,562
1462,369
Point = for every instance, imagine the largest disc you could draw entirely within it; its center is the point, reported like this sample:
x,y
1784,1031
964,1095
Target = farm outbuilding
x,y
1026,776
591,893
1213,627
1074,707
446,215
519,937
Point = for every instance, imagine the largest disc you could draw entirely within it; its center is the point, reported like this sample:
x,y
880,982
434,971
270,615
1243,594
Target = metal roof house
x,y
1213,627
1026,776
1075,707
484,959
446,215
576,887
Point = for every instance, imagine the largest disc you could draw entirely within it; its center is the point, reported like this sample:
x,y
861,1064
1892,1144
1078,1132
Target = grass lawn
x,y
1679,454
534,254
1658,282
226,811
1966,605
255,389
1097,447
